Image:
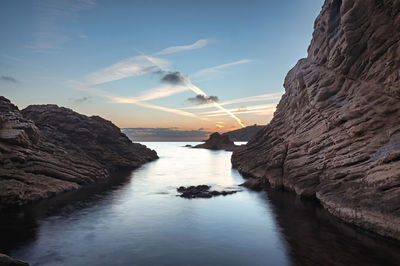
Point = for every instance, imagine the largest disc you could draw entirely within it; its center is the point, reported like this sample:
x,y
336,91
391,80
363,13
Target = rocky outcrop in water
x,y
202,191
336,132
217,141
46,149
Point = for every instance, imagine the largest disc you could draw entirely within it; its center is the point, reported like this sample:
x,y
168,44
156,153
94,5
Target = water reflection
x,y
137,219
317,238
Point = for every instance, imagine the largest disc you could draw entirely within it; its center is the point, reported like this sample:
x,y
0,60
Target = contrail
x,y
197,90
201,92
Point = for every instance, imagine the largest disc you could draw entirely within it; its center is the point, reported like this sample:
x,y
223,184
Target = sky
x,y
177,65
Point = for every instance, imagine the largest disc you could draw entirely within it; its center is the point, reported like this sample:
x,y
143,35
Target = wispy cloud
x,y
152,94
83,36
168,110
165,134
143,64
204,73
12,58
162,92
175,49
198,91
134,66
255,109
9,79
48,31
257,98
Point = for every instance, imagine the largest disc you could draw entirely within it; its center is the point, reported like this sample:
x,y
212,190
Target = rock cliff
x,y
46,149
336,132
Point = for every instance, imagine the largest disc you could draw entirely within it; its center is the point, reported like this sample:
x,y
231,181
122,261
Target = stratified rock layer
x,y
46,149
336,132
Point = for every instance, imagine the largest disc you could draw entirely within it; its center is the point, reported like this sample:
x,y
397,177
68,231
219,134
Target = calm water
x,y
138,220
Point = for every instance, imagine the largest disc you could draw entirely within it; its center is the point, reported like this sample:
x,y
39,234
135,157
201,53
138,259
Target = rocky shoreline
x,y
336,132
46,150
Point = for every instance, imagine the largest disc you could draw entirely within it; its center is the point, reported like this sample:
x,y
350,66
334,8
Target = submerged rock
x,y
217,141
336,132
202,191
46,150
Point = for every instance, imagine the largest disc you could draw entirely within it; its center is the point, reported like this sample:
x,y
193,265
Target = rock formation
x,y
243,134
217,141
202,191
46,149
336,132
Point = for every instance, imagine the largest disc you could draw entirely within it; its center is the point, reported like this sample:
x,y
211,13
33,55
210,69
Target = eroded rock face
x,y
46,149
217,141
336,132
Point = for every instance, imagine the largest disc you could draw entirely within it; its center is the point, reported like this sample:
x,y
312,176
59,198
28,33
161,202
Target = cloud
x,y
133,100
262,109
219,124
134,66
203,99
207,71
82,99
165,134
152,94
257,98
49,25
197,90
130,100
9,79
143,64
173,78
174,49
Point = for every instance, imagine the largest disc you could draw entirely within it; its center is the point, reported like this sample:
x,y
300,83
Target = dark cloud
x,y
9,79
164,134
202,99
173,78
83,99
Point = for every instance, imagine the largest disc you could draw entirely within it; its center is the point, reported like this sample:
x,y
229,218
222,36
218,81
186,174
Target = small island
x,y
217,141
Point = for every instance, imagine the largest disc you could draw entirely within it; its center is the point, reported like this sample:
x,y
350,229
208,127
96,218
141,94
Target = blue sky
x,y
108,58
